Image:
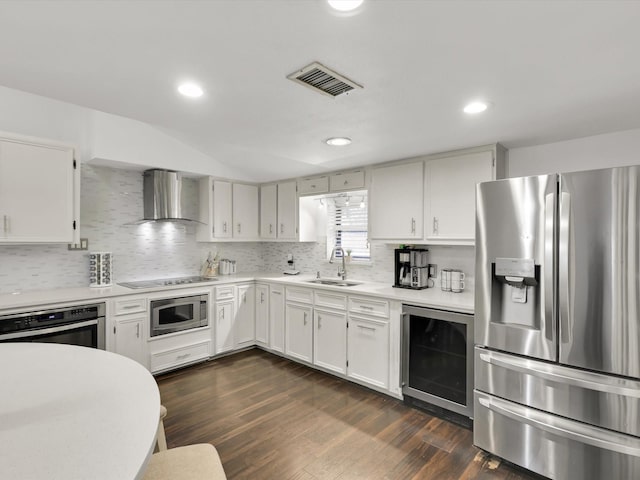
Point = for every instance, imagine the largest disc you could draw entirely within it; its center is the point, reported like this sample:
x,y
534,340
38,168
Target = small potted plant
x,y
348,257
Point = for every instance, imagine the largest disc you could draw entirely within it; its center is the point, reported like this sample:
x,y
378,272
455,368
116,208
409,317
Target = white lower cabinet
x,y
262,315
276,318
173,357
225,313
245,321
368,340
299,331
129,338
330,340
130,320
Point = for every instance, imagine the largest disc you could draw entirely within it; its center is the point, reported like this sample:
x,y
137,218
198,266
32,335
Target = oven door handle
x,y
45,331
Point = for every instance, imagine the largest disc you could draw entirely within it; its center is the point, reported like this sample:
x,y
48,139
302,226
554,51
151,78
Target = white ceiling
x,y
553,70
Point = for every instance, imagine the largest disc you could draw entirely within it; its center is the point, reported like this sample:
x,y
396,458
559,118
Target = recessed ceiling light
x,y
476,107
338,141
345,5
190,90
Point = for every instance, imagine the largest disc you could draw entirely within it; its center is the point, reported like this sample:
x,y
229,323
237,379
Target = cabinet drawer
x,y
369,306
130,305
311,186
227,291
347,180
180,356
331,300
301,295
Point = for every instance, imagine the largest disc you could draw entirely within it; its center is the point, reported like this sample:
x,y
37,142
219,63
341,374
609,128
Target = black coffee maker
x,y
411,268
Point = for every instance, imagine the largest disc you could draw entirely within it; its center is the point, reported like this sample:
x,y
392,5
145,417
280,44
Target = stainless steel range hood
x,y
162,197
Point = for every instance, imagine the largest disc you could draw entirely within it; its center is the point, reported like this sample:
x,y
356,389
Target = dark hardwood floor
x,y
271,418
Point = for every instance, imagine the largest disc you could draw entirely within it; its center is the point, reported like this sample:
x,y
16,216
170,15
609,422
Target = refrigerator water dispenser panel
x,y
516,272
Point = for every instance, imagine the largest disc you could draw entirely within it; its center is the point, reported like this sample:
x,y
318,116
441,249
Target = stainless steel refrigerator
x,y
557,323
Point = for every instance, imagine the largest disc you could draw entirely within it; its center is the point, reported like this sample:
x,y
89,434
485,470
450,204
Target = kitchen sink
x,y
335,283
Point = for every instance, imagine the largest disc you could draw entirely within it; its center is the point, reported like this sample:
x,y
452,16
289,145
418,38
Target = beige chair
x,y
193,462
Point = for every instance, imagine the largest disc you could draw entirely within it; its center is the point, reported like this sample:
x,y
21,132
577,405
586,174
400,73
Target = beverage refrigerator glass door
x,y
176,314
437,359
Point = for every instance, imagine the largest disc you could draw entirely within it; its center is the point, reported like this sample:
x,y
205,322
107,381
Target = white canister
x,y
457,281
445,280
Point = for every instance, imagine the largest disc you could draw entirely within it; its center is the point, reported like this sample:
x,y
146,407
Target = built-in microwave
x,y
171,315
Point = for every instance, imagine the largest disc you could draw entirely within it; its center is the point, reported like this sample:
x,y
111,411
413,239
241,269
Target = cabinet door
x,y
36,193
330,340
287,210
276,318
129,339
368,350
268,211
396,202
222,226
451,194
245,326
224,326
299,332
245,211
262,315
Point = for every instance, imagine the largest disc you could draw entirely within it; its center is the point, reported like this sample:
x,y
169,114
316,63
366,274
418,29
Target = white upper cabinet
x,y
39,190
287,202
245,211
451,195
268,211
313,186
346,181
396,202
229,211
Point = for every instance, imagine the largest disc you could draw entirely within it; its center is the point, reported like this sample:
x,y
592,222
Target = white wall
x,y
599,151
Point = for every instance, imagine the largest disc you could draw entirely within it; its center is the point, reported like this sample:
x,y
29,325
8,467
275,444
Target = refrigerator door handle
x,y
562,427
564,260
549,264
586,380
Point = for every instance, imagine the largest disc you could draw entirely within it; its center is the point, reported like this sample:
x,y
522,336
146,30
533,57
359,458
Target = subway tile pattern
x,y
111,200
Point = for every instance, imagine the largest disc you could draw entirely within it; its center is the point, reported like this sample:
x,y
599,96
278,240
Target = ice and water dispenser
x,y
516,291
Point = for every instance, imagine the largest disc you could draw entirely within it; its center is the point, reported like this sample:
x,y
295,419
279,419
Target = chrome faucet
x,y
342,272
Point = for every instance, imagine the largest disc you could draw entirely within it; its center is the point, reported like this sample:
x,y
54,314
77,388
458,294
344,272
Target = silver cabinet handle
x,y
239,229
270,228
276,293
244,298
366,307
137,330
313,186
364,327
222,314
224,227
319,322
6,224
282,228
129,307
346,182
185,355
261,297
413,225
304,317
435,225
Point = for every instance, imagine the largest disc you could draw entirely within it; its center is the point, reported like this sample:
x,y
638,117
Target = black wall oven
x,y
171,315
437,363
82,325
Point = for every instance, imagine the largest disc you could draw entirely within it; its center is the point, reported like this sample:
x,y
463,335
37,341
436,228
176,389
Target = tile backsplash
x,y
111,200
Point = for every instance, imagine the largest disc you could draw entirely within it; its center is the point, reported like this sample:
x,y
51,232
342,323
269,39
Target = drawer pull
x,y
183,356
366,307
129,307
364,327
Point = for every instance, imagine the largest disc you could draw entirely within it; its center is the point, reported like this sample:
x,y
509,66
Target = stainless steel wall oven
x,y
82,325
176,314
437,358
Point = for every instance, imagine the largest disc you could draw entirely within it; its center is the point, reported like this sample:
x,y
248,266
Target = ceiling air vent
x,y
323,80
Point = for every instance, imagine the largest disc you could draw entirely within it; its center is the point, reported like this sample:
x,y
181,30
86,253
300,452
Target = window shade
x,y
347,225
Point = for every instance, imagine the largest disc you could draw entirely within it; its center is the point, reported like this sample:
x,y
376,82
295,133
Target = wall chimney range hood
x,y
162,197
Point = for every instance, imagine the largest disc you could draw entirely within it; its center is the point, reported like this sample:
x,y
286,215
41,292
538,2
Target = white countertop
x,y
69,412
430,297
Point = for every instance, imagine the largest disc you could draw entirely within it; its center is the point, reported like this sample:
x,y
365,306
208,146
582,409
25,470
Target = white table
x,y
70,412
